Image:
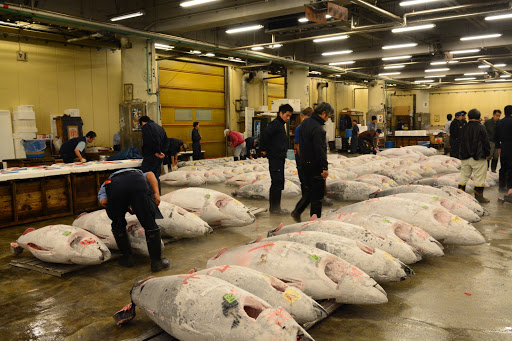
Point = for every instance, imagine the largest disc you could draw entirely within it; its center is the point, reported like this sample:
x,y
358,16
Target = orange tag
x,y
107,181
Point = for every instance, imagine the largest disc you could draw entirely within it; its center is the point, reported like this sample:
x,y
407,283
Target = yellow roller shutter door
x,y
194,92
275,89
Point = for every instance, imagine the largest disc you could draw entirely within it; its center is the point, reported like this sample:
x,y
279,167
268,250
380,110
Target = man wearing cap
x,y
474,150
313,156
455,127
237,143
367,141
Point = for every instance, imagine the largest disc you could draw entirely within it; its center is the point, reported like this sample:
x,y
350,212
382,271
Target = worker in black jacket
x,y
196,142
154,146
313,153
73,148
274,145
503,140
455,127
474,150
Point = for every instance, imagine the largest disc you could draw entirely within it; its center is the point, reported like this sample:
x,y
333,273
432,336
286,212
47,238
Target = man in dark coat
x,y
154,146
313,153
274,145
474,150
503,140
455,127
73,148
175,146
490,127
367,141
354,140
196,142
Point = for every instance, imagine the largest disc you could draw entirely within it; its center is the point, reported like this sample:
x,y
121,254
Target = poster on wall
x,y
72,132
136,114
380,118
436,118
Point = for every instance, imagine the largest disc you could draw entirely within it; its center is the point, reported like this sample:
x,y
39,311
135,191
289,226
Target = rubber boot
x,y
123,244
502,183
479,195
154,242
235,158
462,188
488,163
494,165
275,204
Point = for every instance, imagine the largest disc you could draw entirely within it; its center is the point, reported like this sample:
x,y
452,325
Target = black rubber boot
x,y
479,195
502,183
235,158
494,165
123,243
154,242
275,203
462,188
488,163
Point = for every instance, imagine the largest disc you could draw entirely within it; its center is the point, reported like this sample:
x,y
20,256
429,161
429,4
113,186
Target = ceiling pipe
x,y
377,10
494,67
254,65
178,41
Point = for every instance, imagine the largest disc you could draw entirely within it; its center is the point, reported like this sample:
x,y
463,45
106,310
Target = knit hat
x,y
226,132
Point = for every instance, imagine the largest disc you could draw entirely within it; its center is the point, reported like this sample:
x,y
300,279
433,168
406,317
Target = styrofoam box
x,y
27,107
18,149
72,112
24,136
24,126
23,115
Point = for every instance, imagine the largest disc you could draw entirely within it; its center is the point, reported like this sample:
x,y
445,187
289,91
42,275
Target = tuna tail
x,y
271,232
124,315
16,249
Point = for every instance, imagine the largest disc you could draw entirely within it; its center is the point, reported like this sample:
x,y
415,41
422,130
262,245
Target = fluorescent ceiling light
x,y
327,16
336,52
315,72
437,70
505,76
453,62
465,51
320,40
474,73
275,46
394,67
438,63
399,46
127,16
8,23
416,2
165,47
484,36
484,66
424,81
396,58
435,76
195,52
465,79
303,20
209,54
389,73
256,48
343,63
499,80
244,29
194,2
500,65
413,28
498,17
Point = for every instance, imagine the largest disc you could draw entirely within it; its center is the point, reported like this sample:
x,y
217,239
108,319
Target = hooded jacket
x,y
474,142
274,140
313,145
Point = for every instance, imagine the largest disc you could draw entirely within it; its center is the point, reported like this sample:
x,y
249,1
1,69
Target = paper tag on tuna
x,y
291,295
386,220
315,258
436,198
425,207
67,233
207,196
456,219
388,256
229,298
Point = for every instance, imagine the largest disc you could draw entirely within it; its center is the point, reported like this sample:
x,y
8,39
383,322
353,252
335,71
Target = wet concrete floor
x,y
465,295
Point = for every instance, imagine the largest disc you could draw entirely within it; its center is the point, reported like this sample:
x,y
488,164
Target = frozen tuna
x,y
204,308
260,190
378,264
179,223
319,274
397,249
435,220
350,190
414,236
214,207
62,244
183,178
381,181
270,289
246,179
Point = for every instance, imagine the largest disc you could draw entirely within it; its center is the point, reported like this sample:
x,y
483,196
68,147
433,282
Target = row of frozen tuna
x,y
90,238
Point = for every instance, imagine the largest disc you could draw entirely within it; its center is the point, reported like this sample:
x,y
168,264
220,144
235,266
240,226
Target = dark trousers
x,y
364,147
313,191
354,144
454,147
506,169
276,169
196,151
300,171
153,164
68,158
131,190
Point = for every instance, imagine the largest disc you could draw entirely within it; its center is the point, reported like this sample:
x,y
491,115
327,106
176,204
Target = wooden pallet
x,y
54,269
158,334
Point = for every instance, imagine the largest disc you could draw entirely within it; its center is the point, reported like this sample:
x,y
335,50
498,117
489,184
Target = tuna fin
x,y
313,217
257,240
16,249
124,315
271,232
30,229
220,253
191,271
233,193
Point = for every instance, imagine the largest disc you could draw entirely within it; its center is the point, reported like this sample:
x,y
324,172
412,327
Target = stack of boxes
x,y
24,127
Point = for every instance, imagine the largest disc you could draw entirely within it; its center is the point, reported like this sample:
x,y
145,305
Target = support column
x,y
297,85
422,115
377,102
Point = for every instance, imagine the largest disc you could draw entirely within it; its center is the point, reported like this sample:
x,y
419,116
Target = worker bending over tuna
x,y
73,148
131,190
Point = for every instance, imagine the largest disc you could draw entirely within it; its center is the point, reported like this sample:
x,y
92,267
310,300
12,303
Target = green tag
x,y
67,233
386,220
437,198
229,298
315,258
207,196
425,207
